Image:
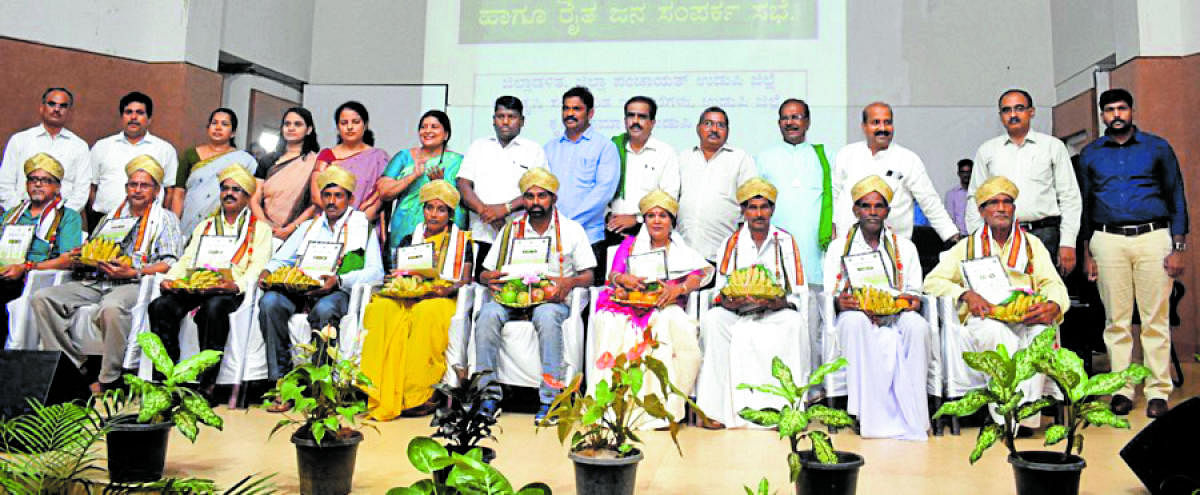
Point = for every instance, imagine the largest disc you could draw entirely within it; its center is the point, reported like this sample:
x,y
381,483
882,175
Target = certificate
x,y
215,251
528,256
116,229
417,259
650,266
14,243
320,258
867,270
987,277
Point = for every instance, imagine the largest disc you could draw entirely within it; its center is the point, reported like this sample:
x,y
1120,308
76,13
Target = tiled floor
x,y
719,462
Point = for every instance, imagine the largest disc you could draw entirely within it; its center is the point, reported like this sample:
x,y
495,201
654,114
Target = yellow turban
x,y
337,176
992,187
239,175
756,186
540,177
870,184
661,199
440,189
43,161
147,164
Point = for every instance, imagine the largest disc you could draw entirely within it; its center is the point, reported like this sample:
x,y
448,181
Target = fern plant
x,y
170,400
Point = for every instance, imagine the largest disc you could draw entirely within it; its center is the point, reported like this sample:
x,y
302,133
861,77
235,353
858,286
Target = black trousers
x,y
212,323
481,250
9,290
1049,236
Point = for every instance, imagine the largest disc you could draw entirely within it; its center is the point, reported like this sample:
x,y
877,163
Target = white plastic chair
x,y
22,332
460,329
519,362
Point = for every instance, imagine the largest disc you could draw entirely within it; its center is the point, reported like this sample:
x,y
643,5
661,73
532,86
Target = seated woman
x,y
618,327
195,195
404,350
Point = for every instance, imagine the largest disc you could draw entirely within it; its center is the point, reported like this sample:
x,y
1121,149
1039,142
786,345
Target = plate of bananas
x,y
200,281
409,287
755,281
879,302
1013,309
290,279
98,251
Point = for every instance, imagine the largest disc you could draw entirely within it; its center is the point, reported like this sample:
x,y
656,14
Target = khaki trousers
x,y
1132,268
54,309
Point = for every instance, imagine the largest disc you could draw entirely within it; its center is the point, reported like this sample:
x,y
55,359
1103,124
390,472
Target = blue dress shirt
x,y
1135,182
588,171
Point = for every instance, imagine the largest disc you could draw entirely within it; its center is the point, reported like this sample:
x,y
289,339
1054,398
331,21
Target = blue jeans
x,y
547,322
274,311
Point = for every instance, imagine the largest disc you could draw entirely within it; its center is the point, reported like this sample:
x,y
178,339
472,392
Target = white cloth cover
x,y
519,362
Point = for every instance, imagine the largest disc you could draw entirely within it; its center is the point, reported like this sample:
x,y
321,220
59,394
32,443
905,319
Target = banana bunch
x,y
879,302
411,287
754,281
97,251
1018,305
292,277
199,280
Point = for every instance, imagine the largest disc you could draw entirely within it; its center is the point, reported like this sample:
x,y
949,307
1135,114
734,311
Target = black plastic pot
x,y
440,475
328,468
136,452
840,478
1040,472
595,476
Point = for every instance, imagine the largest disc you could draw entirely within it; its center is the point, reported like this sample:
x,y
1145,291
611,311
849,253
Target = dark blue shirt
x,y
1135,182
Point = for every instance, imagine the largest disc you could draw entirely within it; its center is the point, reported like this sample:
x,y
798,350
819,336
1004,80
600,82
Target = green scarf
x,y
825,230
620,141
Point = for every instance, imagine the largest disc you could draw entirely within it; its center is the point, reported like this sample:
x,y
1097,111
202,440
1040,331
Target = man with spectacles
x,y
708,206
53,138
1040,166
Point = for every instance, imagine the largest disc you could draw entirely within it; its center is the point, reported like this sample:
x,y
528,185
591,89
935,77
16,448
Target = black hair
x,y
510,102
965,162
1022,92
885,105
443,119
70,96
647,100
310,140
232,121
714,109
137,97
807,111
356,107
582,93
1114,95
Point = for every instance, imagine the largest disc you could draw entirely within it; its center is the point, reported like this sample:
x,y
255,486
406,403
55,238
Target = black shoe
x,y
1121,405
1156,408
1024,432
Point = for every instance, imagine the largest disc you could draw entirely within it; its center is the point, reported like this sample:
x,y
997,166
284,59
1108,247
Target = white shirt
x,y
576,249
1041,168
69,149
111,154
655,167
708,207
904,173
909,258
776,254
495,170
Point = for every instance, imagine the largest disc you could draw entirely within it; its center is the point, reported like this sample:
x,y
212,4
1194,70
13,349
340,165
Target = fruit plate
x,y
517,305
636,304
405,294
290,288
209,291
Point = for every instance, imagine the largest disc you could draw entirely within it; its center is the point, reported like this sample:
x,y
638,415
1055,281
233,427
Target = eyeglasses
x,y
55,104
42,180
139,185
712,123
1017,109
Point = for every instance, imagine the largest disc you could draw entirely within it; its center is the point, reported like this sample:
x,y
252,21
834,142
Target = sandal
x,y
279,407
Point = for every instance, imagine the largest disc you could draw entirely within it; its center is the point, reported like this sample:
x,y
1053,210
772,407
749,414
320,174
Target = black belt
x,y
1132,229
1054,221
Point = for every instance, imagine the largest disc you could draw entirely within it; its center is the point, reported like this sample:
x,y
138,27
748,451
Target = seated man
x,y
153,243
570,265
886,356
1029,267
738,346
338,222
251,251
56,231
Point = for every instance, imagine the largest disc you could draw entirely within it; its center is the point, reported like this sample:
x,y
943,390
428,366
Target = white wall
x,y
276,34
368,42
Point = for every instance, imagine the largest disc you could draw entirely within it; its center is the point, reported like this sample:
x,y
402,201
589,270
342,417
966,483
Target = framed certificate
x,y
116,229
14,243
867,270
417,259
528,256
650,266
988,277
215,251
320,258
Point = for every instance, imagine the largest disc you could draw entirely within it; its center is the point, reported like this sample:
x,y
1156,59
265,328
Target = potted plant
x,y
461,420
137,443
1040,471
323,389
601,426
469,474
820,469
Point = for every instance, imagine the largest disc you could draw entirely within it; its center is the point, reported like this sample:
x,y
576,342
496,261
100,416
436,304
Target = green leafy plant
x,y
469,475
170,400
323,389
793,419
764,488
461,420
606,419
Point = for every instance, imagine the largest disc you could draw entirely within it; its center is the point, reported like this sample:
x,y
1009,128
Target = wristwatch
x,y
508,207
1179,247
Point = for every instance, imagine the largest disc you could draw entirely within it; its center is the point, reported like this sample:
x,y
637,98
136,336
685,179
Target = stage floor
x,y
718,462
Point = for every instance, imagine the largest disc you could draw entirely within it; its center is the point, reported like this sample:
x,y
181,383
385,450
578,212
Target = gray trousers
x,y
55,307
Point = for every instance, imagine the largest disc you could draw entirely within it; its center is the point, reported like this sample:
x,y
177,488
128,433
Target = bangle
x,y
29,265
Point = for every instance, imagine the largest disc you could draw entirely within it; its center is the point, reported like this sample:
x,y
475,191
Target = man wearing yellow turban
x,y
339,226
1027,263
569,264
411,344
735,339
885,381
52,232
244,259
149,240
49,136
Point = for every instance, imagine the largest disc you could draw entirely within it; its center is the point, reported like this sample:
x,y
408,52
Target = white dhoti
x,y
985,334
739,349
678,349
886,374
